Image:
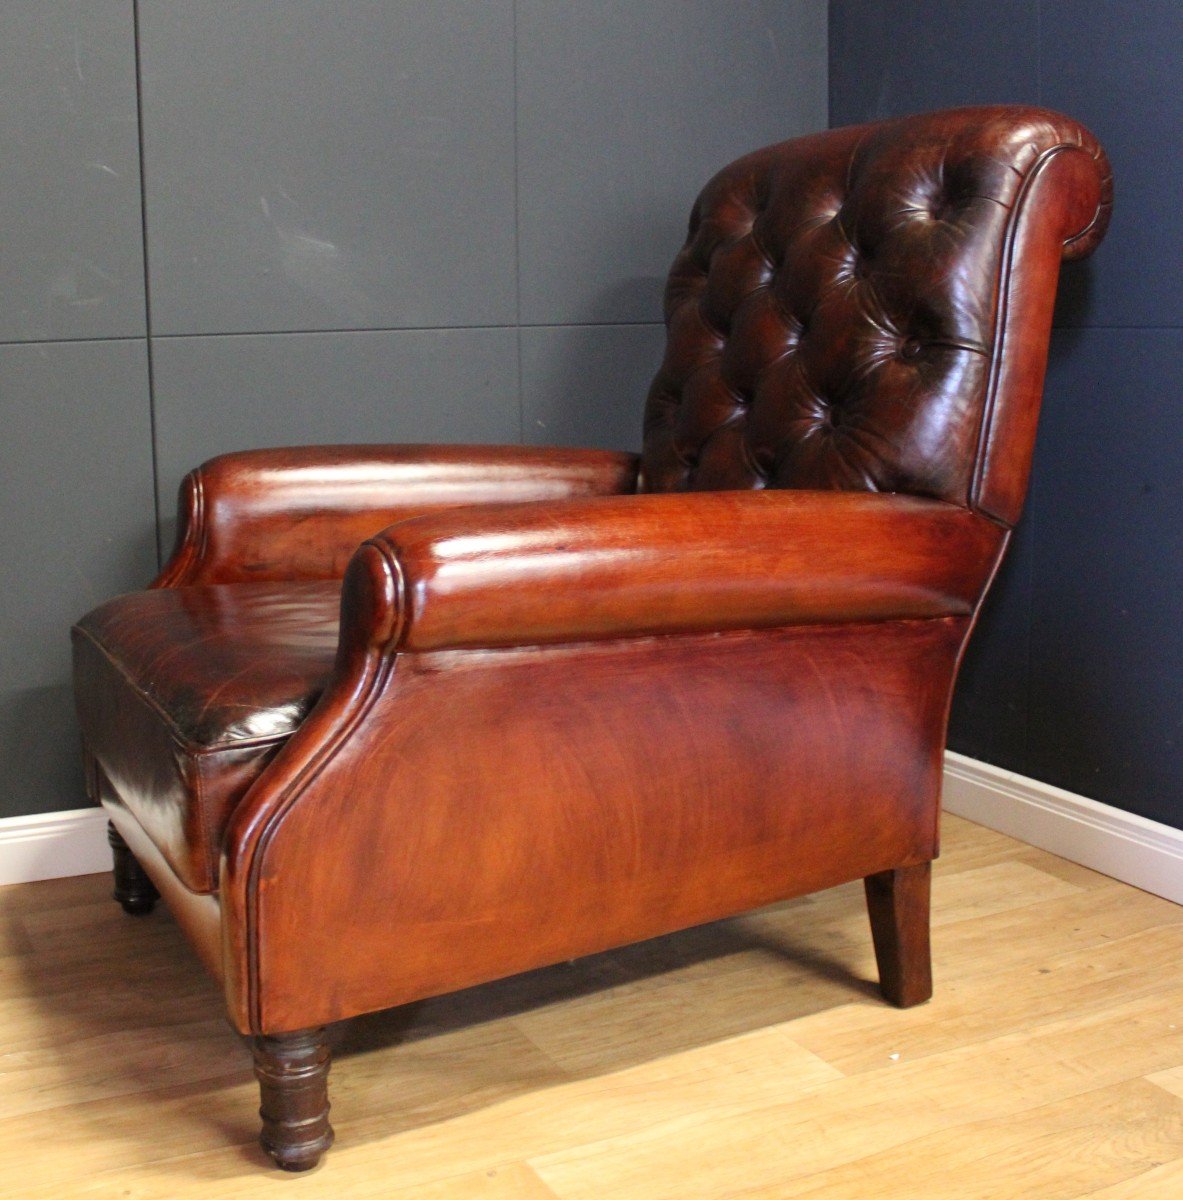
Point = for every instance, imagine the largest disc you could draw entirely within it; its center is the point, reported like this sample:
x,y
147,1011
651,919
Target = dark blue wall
x,y
1076,673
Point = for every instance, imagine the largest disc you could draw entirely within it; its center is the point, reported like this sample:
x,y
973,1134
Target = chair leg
x,y
293,1073
133,889
898,904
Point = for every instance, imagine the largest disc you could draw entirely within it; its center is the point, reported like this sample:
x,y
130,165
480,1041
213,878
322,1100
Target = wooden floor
x,y
750,1059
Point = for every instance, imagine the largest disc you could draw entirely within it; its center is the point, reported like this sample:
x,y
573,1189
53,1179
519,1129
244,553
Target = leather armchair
x,y
397,720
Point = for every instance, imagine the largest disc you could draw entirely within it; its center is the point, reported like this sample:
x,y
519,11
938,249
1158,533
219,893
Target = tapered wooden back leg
x,y
898,904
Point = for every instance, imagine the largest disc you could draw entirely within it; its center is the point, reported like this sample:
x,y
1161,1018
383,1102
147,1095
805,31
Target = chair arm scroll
x,y
301,513
647,565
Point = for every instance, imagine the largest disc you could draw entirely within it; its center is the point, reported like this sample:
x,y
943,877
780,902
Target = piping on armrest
x,y
645,565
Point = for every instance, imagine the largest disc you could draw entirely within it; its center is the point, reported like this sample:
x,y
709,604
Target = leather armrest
x,y
639,565
301,513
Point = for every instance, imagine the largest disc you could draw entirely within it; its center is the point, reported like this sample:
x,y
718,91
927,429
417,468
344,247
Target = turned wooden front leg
x,y
133,889
293,1074
898,904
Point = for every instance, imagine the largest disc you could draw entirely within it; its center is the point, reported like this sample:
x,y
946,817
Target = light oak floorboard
x,y
1172,1079
1063,1149
1164,1182
749,1058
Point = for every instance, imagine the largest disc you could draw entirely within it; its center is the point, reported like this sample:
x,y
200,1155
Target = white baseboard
x,y
1127,847
53,845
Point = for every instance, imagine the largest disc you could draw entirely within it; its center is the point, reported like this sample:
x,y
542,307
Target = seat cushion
x,y
185,695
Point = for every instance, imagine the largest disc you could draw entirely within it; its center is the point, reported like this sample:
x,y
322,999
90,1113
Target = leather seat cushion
x,y
185,694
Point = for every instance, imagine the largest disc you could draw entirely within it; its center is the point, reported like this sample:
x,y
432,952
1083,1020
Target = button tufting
x,y
855,274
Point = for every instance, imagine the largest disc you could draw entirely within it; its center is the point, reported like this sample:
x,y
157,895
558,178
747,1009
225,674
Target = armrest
x,y
657,564
301,513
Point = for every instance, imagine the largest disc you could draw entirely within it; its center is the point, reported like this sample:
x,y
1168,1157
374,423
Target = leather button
x,y
912,348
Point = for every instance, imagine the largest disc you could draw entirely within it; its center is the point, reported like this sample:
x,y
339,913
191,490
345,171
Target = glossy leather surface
x,y
583,797
508,575
214,668
836,316
197,913
186,694
560,716
300,513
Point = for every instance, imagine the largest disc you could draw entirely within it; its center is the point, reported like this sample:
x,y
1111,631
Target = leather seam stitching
x,y
183,775
211,868
385,663
951,614
384,669
1002,309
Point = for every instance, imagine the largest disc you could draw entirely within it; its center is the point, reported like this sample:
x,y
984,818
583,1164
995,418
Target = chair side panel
x,y
500,810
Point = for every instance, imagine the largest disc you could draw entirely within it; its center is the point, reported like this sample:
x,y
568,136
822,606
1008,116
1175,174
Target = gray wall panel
x,y
335,195
888,58
76,494
215,394
319,166
624,111
586,385
71,264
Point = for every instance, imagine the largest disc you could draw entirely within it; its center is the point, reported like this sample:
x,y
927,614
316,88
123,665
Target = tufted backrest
x,y
869,308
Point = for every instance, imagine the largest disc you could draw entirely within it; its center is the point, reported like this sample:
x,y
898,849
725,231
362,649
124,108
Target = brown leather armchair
x,y
564,700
